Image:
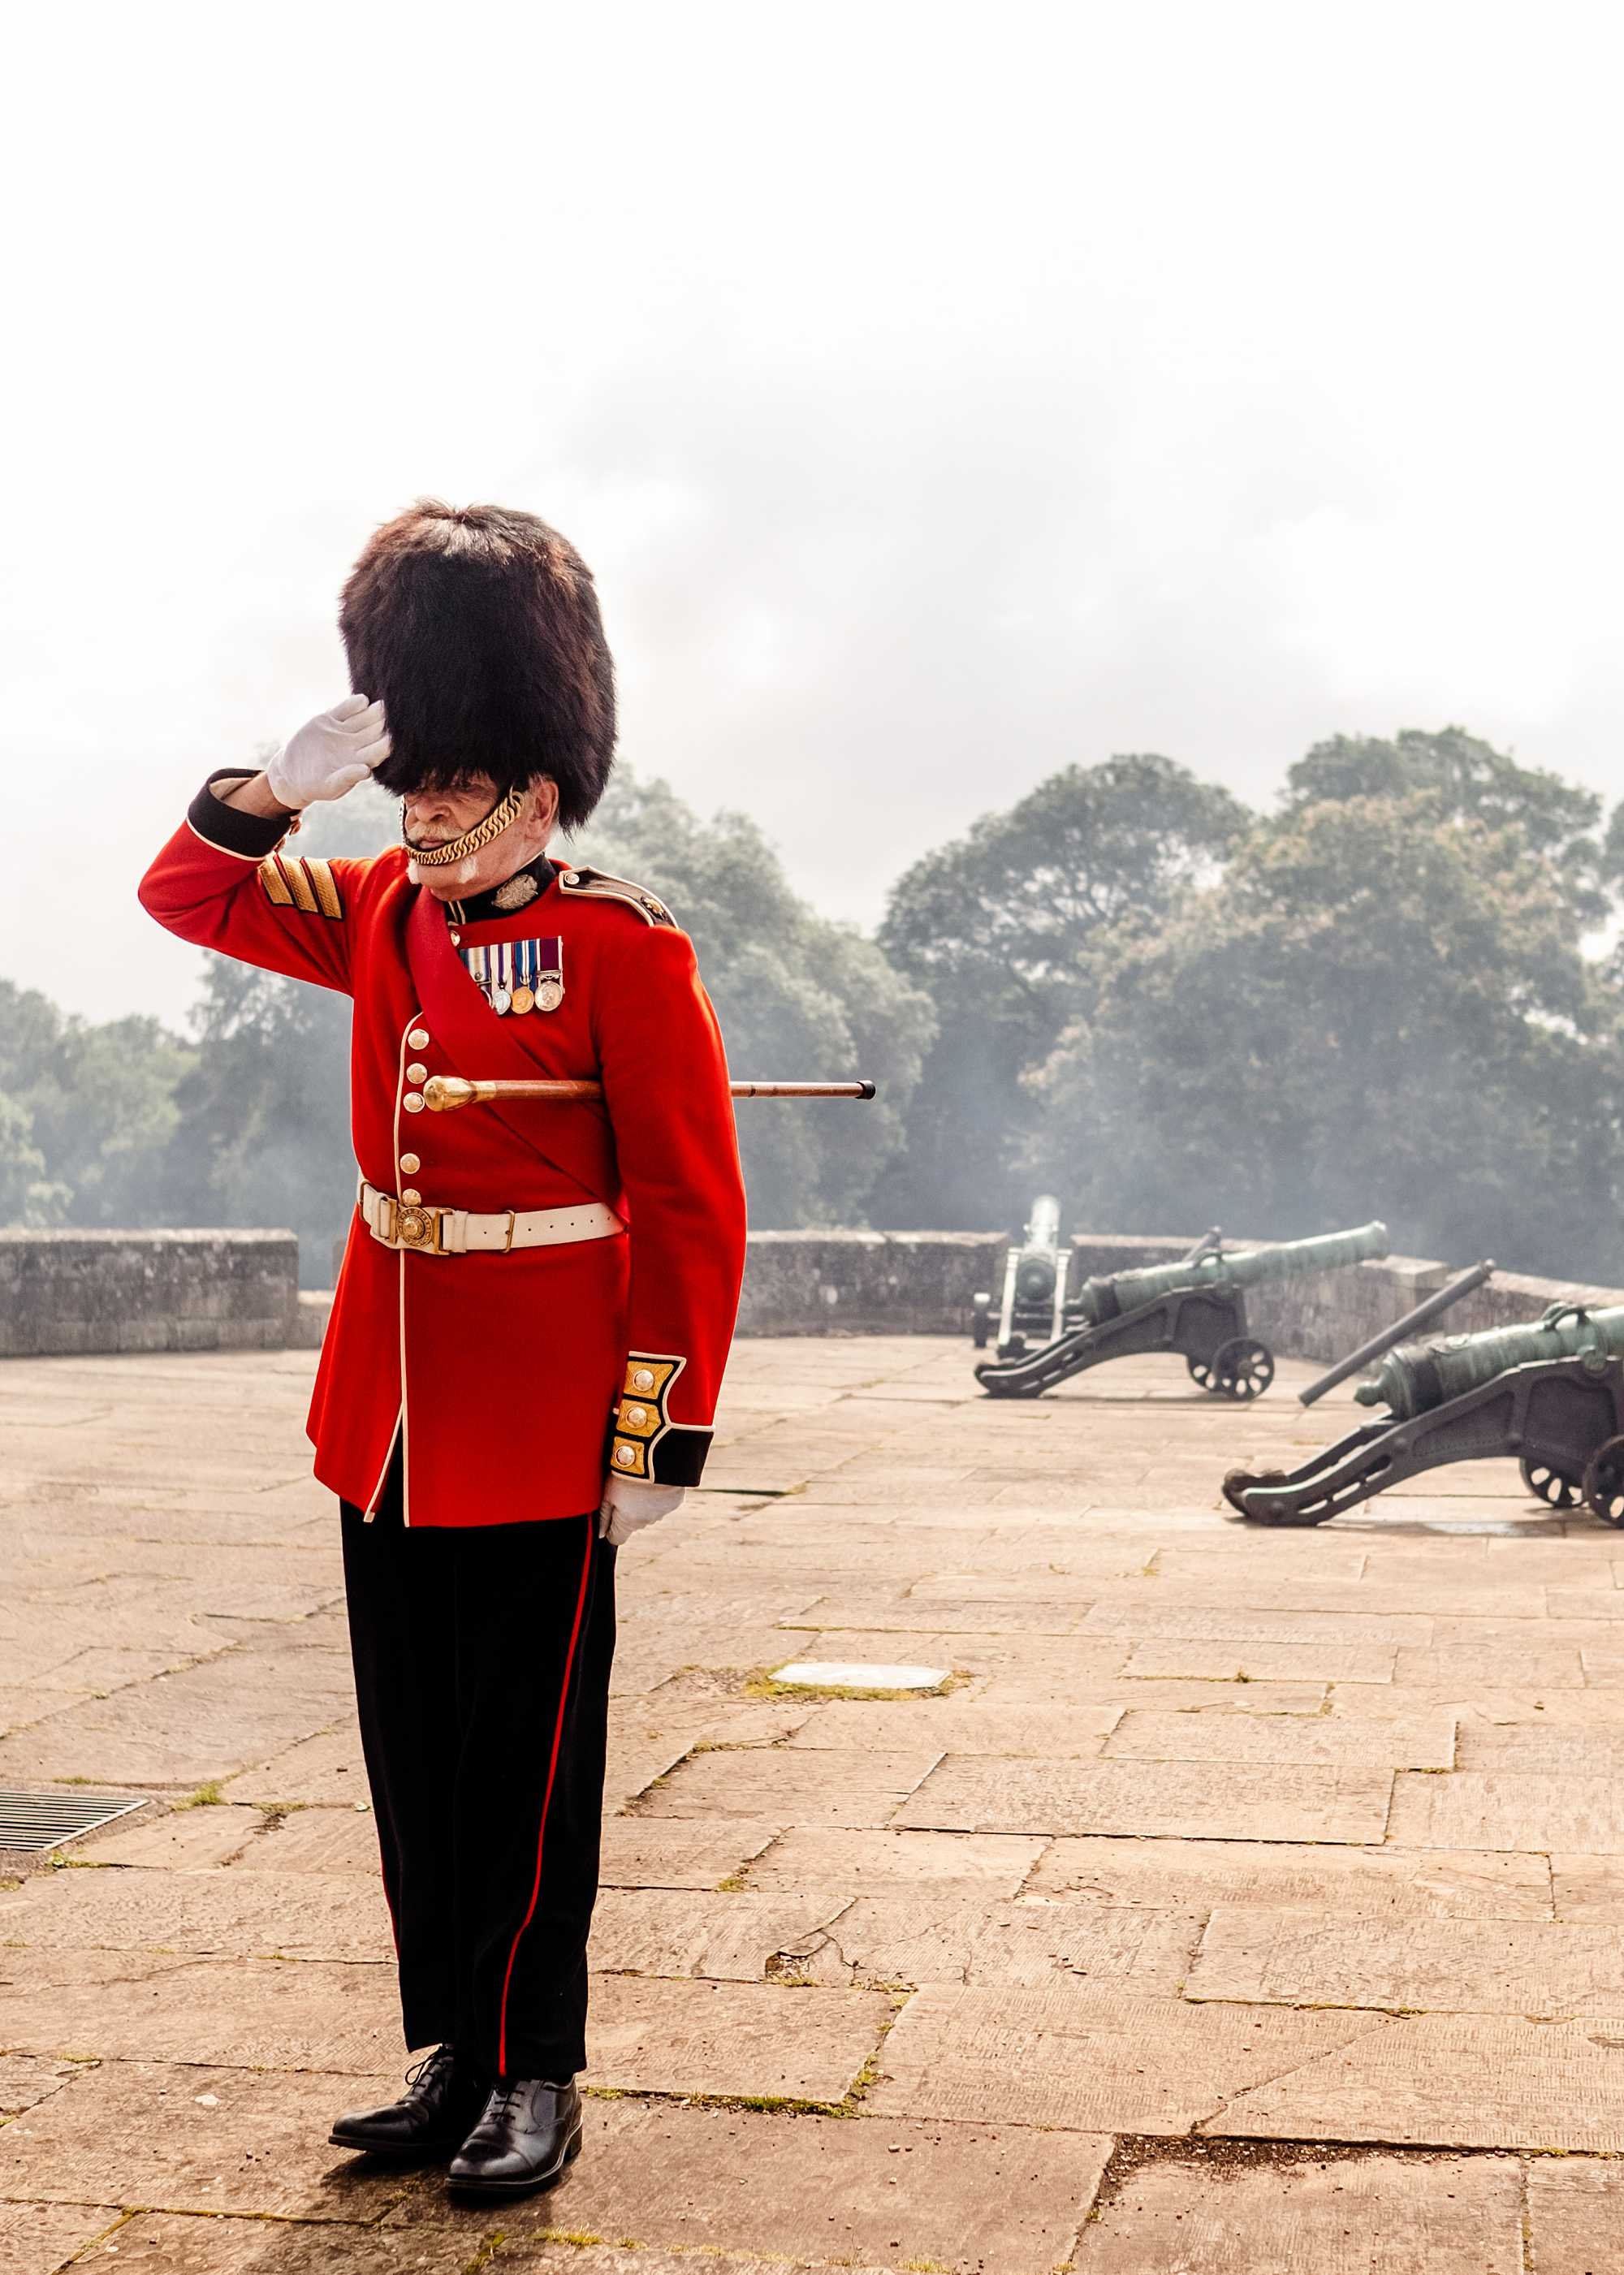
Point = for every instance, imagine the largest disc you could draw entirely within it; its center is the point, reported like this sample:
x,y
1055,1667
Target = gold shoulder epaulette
x,y
598,885
291,881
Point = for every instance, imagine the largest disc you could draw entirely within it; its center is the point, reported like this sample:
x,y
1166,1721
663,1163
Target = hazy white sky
x,y
940,393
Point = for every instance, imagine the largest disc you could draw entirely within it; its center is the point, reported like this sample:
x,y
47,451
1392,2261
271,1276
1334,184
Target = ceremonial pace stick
x,y
443,1094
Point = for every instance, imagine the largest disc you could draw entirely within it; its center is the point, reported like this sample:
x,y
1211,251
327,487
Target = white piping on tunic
x,y
400,1430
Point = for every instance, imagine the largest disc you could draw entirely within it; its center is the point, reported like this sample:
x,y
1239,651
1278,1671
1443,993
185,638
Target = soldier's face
x,y
433,817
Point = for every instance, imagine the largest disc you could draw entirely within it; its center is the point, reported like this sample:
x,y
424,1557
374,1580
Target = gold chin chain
x,y
458,848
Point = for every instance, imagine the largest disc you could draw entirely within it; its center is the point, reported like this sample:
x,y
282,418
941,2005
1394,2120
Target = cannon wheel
x,y
1200,1372
1242,1369
1604,1481
981,1320
1551,1485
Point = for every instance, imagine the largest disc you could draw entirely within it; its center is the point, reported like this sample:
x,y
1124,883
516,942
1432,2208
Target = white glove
x,y
329,754
630,1503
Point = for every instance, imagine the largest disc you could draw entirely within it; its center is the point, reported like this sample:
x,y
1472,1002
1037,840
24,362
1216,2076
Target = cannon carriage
x,y
1195,1308
1549,1392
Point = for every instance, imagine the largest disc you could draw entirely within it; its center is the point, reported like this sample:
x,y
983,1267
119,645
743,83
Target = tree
x,y
1464,779
89,1112
997,926
1384,1012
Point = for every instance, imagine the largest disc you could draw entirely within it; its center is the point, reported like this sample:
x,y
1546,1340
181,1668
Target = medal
x,y
547,977
524,972
518,975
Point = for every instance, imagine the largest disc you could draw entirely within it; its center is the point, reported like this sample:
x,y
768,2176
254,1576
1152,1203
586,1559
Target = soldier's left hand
x,y
630,1503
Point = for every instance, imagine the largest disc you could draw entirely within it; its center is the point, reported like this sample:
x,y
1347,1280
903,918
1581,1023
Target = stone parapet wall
x,y
130,1291
76,1292
1327,1314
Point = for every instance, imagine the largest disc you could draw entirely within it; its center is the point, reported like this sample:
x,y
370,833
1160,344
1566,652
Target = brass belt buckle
x,y
417,1227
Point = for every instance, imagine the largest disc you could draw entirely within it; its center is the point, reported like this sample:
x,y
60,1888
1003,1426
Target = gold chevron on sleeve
x,y
299,884
271,877
326,889
308,886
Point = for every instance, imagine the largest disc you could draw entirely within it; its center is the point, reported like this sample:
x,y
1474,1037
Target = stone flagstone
x,y
1456,2216
1509,1809
1525,1967
200,2138
1244,1802
752,2038
779,1786
176,2243
1480,2081
895,1939
1091,2060
1422,1742
1443,1884
1576,2214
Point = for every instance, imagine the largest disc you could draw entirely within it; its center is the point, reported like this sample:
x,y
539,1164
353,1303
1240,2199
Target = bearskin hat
x,y
479,628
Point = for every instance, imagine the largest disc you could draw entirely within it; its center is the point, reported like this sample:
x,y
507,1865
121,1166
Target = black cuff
x,y
679,1456
250,835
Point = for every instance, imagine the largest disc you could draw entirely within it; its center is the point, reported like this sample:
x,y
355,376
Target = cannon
x,y
1196,1307
1550,1392
1034,1297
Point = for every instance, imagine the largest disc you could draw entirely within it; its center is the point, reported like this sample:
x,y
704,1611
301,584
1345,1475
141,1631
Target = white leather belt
x,y
429,1231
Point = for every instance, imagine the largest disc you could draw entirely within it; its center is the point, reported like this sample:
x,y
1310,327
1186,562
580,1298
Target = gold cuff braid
x,y
495,821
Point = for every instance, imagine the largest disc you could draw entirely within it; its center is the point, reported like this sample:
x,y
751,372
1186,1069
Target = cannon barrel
x,y
1043,1226
1104,1299
1418,1376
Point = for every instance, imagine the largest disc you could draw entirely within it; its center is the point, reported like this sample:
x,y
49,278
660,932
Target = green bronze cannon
x,y
1196,1307
1550,1392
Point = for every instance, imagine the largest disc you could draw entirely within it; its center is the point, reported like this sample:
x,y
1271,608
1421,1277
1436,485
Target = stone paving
x,y
1244,1901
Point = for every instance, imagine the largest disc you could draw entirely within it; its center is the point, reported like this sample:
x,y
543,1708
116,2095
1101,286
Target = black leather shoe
x,y
429,2120
529,2131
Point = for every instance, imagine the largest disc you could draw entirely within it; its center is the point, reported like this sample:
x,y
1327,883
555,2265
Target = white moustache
x,y
462,874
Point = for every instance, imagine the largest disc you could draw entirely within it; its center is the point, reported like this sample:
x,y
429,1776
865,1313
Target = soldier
x,y
536,1299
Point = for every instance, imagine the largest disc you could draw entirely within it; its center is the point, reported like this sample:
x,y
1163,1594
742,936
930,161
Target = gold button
x,y
457,941
636,1417
412,1200
642,1379
413,1102
411,1164
419,1039
569,878
417,1071
625,1456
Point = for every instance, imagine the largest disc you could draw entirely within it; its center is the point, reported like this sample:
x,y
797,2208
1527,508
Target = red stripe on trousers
x,y
547,1799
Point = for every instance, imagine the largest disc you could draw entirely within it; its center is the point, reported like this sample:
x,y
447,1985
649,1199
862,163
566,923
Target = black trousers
x,y
482,1660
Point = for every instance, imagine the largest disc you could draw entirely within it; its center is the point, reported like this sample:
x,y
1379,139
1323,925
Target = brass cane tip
x,y
443,1094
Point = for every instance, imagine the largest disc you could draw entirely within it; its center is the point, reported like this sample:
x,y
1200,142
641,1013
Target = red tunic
x,y
502,1373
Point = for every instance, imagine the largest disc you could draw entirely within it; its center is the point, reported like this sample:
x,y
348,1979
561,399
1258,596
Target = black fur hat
x,y
479,628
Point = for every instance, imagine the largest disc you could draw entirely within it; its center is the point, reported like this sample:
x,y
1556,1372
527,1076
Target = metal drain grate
x,y
45,1820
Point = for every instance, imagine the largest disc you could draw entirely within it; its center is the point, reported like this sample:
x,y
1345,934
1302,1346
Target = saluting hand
x,y
630,1503
329,754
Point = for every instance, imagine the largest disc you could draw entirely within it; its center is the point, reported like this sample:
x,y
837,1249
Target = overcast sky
x,y
939,393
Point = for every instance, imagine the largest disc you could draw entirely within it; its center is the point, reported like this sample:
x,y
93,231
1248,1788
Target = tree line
x,y
1400,992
